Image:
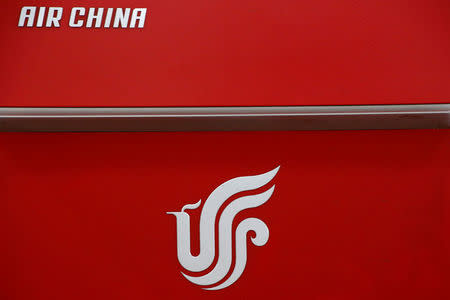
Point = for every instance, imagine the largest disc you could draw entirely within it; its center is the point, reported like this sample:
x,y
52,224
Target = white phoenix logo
x,y
207,231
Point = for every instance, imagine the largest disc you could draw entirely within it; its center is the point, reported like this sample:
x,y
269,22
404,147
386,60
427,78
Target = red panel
x,y
355,215
224,53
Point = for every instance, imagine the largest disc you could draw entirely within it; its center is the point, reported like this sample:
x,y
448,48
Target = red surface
x,y
355,215
222,52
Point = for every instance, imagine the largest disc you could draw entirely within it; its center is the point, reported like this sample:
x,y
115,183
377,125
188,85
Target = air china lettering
x,y
33,16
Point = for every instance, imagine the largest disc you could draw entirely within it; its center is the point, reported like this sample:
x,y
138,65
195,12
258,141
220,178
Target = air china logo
x,y
33,16
208,219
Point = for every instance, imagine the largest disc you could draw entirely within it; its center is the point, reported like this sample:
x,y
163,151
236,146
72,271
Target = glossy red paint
x,y
226,53
355,214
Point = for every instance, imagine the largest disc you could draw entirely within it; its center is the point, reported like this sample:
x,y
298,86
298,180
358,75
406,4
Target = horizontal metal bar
x,y
224,118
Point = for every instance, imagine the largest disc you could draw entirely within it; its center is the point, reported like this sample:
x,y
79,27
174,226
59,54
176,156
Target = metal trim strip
x,y
135,119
